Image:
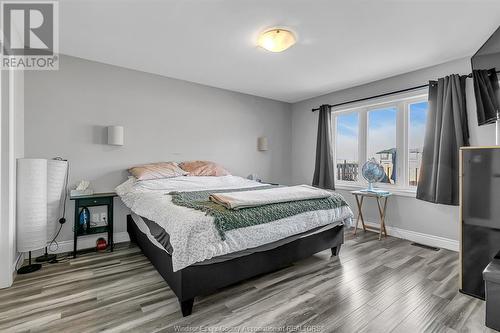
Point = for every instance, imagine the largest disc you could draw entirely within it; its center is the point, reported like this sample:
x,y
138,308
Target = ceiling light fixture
x,y
276,40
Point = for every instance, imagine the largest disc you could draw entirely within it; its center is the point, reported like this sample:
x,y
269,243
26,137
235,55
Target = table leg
x,y
110,226
381,219
382,211
359,203
361,214
75,228
357,217
385,208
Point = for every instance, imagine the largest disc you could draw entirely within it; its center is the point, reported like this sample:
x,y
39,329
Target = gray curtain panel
x,y
446,131
487,93
324,175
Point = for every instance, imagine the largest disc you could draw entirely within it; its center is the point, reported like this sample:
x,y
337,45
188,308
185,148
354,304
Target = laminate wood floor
x,y
374,286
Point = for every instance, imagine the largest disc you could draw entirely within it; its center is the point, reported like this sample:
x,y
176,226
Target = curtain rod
x,y
383,95
376,96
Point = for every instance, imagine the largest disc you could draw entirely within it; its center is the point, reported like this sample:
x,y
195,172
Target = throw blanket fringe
x,y
227,219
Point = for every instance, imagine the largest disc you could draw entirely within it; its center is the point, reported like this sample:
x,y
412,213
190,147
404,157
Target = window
x,y
391,131
382,140
416,133
346,146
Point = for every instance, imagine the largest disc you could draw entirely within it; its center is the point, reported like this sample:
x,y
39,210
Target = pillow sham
x,y
203,168
157,171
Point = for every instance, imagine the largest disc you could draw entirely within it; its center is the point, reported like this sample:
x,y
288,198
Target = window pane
x,y
416,133
346,146
382,140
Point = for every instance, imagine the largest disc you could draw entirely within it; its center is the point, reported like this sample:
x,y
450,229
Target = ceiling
x,y
340,43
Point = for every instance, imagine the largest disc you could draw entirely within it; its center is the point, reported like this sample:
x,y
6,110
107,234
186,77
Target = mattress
x,y
145,229
193,235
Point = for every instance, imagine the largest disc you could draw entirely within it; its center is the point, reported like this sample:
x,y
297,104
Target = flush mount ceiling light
x,y
276,40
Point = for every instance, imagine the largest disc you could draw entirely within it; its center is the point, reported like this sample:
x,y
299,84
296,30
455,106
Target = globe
x,y
373,172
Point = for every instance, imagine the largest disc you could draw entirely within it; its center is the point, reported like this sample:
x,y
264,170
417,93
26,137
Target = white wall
x,y
11,148
404,213
164,119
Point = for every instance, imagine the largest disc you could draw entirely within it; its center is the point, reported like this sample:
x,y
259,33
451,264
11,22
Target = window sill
x,y
402,192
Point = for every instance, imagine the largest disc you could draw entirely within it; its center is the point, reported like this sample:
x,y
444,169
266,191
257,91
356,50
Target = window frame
x,y
402,103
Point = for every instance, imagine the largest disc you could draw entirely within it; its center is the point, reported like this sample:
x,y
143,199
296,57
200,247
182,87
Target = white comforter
x,y
193,235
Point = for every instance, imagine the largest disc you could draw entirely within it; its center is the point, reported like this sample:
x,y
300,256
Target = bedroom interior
x,y
182,183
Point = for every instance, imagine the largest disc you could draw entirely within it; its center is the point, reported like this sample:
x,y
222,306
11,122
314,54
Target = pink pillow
x,y
157,170
203,168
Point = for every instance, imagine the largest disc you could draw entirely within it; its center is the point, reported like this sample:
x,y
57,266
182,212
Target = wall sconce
x,y
115,135
262,144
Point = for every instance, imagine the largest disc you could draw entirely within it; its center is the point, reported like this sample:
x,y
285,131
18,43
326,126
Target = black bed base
x,y
200,280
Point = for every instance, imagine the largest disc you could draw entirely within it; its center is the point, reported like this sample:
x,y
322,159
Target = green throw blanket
x,y
227,219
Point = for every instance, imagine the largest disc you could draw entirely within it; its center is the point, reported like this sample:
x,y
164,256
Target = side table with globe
x,y
373,172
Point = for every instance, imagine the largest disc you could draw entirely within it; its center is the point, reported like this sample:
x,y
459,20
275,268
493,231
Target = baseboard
x,y
418,237
19,261
17,264
84,242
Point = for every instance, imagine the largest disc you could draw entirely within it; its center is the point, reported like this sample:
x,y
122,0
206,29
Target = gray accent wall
x,y
66,112
406,213
164,119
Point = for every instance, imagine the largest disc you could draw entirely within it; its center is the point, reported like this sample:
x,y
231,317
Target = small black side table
x,y
97,199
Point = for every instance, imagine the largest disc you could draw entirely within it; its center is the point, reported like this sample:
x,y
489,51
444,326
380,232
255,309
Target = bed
x,y
192,256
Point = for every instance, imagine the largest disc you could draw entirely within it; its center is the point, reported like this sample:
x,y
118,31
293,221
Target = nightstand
x,y
94,200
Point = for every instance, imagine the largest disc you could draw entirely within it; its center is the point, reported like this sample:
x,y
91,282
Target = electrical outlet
x,y
104,217
95,218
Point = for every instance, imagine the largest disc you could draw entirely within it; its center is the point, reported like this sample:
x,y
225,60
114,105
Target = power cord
x,y
54,242
62,220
